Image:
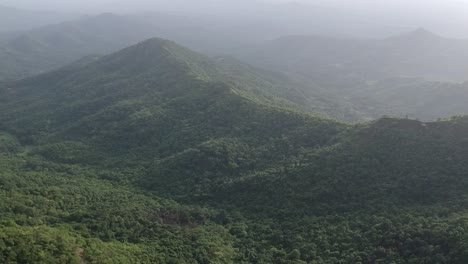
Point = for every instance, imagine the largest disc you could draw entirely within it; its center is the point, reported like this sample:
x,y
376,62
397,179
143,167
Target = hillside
x,y
158,154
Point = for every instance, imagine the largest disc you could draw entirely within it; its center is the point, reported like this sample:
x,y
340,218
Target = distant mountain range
x,y
416,62
340,77
53,46
418,54
14,19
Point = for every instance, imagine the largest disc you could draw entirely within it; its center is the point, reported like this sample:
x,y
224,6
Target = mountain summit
x,y
155,53
420,34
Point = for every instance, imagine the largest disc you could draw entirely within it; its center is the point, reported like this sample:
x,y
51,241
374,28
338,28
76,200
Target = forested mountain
x,y
53,46
154,79
157,154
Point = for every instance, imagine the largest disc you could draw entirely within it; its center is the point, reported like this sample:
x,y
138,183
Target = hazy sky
x,y
446,17
140,4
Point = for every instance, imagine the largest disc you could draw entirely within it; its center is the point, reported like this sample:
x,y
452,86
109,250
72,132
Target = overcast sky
x,y
446,17
144,4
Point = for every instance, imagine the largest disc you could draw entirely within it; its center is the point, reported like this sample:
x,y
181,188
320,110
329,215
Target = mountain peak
x,y
420,34
156,43
423,32
156,52
144,56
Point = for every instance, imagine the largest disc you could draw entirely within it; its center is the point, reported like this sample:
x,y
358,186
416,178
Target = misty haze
x,y
222,131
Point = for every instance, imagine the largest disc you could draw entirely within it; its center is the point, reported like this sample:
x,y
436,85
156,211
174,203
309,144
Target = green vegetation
x,y
157,154
55,213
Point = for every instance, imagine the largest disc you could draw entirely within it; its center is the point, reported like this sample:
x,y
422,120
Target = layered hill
x,y
417,54
59,44
16,19
376,76
52,46
348,79
157,154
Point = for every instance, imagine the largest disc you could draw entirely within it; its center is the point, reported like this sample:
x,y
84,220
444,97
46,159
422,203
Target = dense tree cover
x,y
150,155
54,213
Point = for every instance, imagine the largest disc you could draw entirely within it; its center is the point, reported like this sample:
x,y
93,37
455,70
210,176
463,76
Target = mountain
x,y
140,80
158,154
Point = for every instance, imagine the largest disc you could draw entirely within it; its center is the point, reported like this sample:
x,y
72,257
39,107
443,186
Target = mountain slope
x,y
396,161
391,190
